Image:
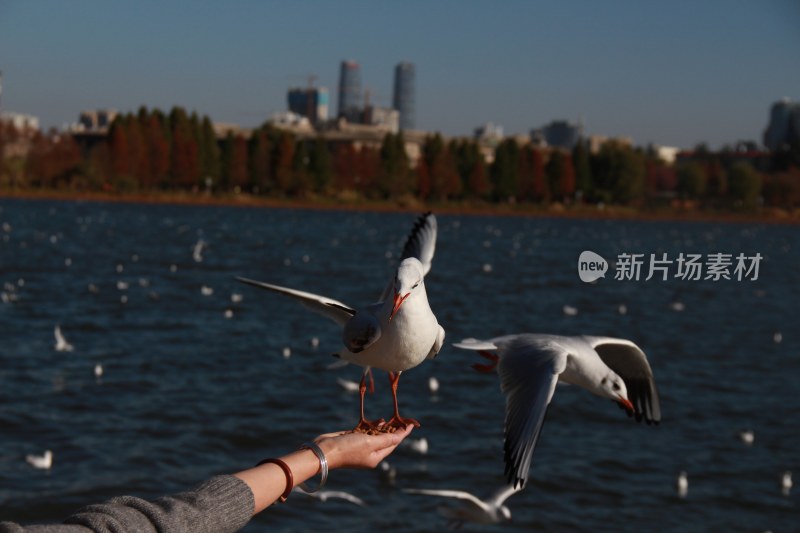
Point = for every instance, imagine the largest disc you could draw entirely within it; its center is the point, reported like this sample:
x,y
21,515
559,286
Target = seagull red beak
x,y
398,301
626,403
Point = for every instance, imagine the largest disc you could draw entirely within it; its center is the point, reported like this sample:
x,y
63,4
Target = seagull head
x,y
613,386
408,278
505,513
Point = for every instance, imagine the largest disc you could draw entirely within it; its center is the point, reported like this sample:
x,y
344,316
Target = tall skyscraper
x,y
784,124
350,106
403,99
311,102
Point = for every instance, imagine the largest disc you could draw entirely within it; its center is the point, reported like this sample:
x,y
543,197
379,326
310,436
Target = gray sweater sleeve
x,y
221,504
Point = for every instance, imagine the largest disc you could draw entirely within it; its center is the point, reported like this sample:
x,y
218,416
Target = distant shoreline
x,y
587,212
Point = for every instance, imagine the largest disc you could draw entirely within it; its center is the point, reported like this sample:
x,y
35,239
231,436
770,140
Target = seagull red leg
x,y
487,369
398,421
365,425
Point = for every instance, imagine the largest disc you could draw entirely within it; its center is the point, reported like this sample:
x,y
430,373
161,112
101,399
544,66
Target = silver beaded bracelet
x,y
323,465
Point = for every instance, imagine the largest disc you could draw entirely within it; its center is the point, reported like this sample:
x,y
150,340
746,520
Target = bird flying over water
x,y
394,334
489,511
530,365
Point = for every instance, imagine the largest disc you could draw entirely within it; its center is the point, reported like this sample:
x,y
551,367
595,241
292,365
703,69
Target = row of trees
x,y
151,150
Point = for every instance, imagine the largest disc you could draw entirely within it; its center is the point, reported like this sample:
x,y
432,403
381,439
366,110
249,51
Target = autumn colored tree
x,y
368,170
234,163
283,159
471,167
562,175
184,164
345,163
120,150
532,185
159,147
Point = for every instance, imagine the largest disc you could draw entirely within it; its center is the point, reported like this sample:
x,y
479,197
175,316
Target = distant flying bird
x,y
325,495
61,344
42,462
489,511
530,365
395,334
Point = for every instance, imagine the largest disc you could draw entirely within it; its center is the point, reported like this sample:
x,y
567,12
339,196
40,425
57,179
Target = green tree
x,y
744,186
260,161
619,174
395,174
583,170
504,170
320,165
691,180
209,151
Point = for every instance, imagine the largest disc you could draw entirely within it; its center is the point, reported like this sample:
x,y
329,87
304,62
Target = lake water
x,y
197,384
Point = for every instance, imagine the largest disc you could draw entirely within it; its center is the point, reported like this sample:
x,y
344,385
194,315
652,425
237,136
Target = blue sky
x,y
673,73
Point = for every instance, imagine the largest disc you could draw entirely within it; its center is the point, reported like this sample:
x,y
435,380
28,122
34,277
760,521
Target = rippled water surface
x,y
197,384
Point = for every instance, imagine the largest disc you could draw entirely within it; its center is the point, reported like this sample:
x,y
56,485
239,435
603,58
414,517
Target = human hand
x,y
348,449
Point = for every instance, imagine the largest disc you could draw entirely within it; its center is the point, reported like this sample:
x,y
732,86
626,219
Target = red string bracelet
x,y
289,477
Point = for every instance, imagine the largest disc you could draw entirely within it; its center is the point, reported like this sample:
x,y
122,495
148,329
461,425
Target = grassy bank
x,y
411,205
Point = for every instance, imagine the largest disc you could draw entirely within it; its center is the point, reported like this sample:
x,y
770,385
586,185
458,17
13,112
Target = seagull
x,y
530,365
61,344
43,462
98,370
394,334
347,385
197,251
682,484
325,495
418,446
747,436
433,385
490,511
786,483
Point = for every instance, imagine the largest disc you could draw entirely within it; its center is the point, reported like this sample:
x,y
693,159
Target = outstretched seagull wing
x,y
529,370
502,494
529,367
458,494
630,363
333,309
421,243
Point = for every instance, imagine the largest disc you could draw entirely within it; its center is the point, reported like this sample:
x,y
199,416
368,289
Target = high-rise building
x,y
311,103
558,134
784,124
403,100
350,106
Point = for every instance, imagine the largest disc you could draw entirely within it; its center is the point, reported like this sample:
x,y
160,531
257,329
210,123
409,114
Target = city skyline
x,y
672,74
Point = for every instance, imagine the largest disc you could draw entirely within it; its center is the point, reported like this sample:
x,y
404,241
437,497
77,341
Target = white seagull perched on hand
x,y
530,365
394,334
490,511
